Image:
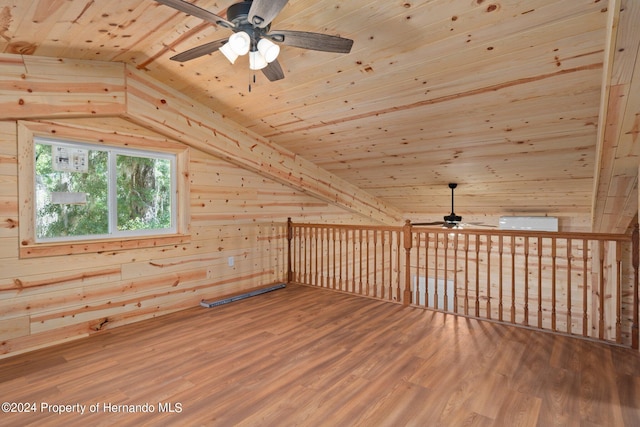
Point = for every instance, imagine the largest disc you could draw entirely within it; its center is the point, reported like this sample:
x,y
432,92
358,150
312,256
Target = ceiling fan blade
x,y
273,71
193,10
199,51
313,41
428,223
262,12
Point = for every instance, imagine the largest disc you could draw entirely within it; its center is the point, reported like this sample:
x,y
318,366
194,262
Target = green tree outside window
x,y
141,194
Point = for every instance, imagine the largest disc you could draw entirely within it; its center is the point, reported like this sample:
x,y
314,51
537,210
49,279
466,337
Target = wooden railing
x,y
580,284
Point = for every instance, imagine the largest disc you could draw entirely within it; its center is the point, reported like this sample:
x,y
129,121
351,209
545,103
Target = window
x,y
87,191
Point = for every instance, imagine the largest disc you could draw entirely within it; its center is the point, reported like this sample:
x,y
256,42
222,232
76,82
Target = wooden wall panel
x,y
8,190
90,88
615,201
234,213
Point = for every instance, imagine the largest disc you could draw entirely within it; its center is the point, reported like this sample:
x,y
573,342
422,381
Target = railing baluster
x,y
601,291
399,270
585,315
301,242
526,281
426,271
340,262
318,255
353,261
417,288
513,279
303,255
391,234
488,276
569,284
309,255
368,278
466,274
375,263
477,239
553,285
540,282
346,260
500,279
436,259
327,269
351,268
360,284
446,269
455,273
635,264
354,273
323,256
618,293
297,247
382,252
334,283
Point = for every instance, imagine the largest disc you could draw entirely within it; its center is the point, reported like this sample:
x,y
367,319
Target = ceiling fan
x,y
250,22
452,220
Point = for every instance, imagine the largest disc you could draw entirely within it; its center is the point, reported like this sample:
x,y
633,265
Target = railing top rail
x,y
348,226
574,235
493,232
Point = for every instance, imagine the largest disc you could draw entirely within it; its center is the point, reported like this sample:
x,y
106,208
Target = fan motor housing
x,y
453,218
238,10
238,13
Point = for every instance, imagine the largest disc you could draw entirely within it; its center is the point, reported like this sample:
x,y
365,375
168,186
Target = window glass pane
x,y
143,193
89,191
71,191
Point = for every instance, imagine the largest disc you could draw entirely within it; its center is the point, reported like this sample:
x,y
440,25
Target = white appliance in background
x,y
528,223
421,286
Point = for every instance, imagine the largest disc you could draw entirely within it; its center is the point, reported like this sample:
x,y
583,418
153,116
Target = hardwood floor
x,y
313,357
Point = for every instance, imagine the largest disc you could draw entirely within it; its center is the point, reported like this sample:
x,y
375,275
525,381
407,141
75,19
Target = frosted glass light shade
x,y
240,43
268,49
256,60
228,51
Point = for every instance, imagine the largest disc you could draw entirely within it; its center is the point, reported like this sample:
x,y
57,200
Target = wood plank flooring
x,y
302,356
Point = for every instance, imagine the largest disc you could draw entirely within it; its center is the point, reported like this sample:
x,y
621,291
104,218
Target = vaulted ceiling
x,y
532,107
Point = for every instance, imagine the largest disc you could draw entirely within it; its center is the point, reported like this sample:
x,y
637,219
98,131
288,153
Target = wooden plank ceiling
x,y
532,107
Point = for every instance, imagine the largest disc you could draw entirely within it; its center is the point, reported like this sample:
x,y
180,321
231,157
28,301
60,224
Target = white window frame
x,y
112,203
30,247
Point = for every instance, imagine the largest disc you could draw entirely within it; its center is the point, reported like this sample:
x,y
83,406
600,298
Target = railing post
x,y
635,251
408,240
289,237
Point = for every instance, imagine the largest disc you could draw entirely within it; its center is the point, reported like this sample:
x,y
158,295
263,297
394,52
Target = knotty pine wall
x,y
233,213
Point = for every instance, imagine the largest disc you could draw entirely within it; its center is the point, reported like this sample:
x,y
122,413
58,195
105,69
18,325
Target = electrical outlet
x,y
231,261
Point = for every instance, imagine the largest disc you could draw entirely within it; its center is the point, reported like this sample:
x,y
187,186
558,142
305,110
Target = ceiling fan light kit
x,y
256,60
251,23
452,220
268,49
229,53
240,42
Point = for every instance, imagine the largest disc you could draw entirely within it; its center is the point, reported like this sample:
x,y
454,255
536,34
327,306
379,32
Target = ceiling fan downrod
x,y
452,218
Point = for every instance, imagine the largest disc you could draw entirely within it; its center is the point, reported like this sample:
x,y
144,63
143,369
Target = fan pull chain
x,y
254,81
